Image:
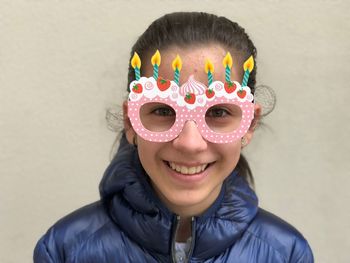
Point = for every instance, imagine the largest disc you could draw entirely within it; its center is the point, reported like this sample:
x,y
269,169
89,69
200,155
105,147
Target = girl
x,y
177,190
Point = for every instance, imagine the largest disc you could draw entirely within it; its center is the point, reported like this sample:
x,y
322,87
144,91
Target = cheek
x,y
145,151
148,153
230,153
229,149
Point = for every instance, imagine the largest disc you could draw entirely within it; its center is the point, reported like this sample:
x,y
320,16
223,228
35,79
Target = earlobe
x,y
129,130
244,141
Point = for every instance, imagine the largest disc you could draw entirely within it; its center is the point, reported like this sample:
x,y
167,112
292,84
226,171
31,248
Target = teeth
x,y
187,170
191,170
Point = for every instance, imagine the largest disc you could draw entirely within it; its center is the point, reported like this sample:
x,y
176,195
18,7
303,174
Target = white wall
x,y
62,63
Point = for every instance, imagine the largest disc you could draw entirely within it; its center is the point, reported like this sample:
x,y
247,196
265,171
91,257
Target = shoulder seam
x,y
267,243
88,237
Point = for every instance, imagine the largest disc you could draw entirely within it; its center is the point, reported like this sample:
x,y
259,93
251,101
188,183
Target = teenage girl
x,y
178,188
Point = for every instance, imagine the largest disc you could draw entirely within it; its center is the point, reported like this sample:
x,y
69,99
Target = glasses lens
x,y
223,118
157,117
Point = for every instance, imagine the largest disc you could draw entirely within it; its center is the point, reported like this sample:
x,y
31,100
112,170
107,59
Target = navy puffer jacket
x,y
130,224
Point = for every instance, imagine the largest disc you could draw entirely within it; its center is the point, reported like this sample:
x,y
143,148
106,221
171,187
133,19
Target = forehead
x,y
193,61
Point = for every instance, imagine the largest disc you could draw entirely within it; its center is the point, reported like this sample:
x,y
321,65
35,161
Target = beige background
x,y
62,63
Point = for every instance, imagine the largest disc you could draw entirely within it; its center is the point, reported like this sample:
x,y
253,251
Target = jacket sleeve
x,y
42,253
302,253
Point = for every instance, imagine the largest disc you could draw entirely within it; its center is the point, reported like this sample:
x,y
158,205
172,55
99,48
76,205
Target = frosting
x,y
190,104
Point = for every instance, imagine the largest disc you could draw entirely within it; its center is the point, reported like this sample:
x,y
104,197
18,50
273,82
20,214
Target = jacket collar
x,y
137,210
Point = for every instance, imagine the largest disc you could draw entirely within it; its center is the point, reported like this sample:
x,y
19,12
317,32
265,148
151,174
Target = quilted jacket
x,y
130,224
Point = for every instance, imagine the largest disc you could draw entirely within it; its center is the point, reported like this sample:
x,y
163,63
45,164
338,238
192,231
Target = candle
x,y
177,65
227,65
209,69
136,64
156,62
247,67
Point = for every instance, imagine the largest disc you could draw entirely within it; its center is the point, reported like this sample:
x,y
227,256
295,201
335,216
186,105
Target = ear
x,y
254,124
129,130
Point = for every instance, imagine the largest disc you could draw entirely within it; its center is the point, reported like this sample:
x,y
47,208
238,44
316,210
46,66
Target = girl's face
x,y
187,173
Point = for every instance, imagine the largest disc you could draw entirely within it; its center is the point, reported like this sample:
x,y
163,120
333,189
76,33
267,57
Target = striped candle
x,y
247,67
227,62
155,60
209,69
136,64
177,65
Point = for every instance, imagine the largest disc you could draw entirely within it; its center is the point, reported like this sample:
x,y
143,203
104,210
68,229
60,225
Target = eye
x,y
217,112
157,117
223,118
163,111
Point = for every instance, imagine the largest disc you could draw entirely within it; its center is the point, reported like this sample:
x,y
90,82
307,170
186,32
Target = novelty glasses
x,y
158,109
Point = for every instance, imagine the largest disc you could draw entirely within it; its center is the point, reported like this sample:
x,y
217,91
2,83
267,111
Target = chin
x,y
190,201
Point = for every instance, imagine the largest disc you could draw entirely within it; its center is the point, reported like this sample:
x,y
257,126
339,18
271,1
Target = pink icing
x,y
192,86
149,85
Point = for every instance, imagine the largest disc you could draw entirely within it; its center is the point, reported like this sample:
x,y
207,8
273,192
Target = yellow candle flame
x,y
209,67
227,60
156,58
136,61
177,63
249,64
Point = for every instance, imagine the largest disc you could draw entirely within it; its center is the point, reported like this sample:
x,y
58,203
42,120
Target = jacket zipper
x,y
176,228
193,238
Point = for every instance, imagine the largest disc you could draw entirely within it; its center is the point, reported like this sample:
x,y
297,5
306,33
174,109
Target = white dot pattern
x,y
195,115
186,112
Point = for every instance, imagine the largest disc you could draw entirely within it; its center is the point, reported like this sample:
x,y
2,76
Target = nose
x,y
190,140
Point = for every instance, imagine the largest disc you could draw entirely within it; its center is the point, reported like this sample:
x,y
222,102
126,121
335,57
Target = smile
x,y
187,169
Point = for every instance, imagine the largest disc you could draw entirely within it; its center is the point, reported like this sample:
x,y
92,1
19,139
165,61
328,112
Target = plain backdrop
x,y
63,63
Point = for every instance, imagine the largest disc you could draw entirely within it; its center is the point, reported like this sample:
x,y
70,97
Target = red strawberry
x,y
241,93
137,88
230,86
190,98
163,84
210,93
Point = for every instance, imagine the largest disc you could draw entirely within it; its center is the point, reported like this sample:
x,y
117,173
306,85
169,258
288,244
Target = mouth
x,y
187,170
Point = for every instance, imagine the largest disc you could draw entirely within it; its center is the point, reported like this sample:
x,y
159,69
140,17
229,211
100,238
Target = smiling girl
x,y
178,188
